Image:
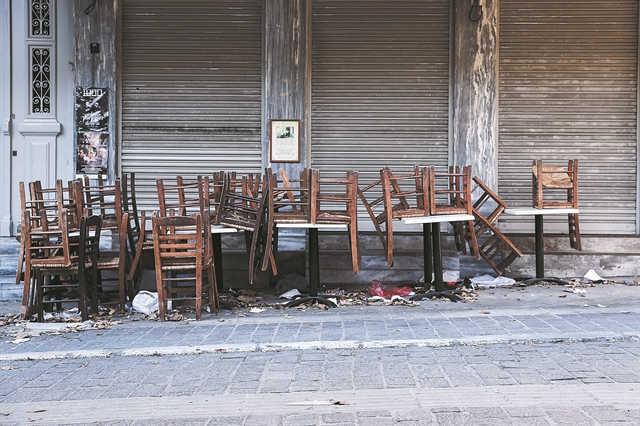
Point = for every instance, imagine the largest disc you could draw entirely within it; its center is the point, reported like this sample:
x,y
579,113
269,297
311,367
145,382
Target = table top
x,y
532,211
221,229
437,218
332,226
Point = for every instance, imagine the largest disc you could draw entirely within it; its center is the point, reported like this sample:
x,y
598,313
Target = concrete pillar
x,y
475,88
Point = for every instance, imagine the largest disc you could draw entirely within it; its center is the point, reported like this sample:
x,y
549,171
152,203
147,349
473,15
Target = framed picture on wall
x,y
285,141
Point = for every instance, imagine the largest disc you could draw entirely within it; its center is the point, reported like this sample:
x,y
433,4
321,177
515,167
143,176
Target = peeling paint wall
x,y
474,116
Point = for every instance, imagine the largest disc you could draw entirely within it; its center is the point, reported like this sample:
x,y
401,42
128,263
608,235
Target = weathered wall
x,y
95,22
285,73
474,119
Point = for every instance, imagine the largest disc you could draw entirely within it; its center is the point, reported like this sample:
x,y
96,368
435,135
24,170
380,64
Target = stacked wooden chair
x,y
106,200
288,201
60,250
404,195
557,187
243,205
334,201
450,193
184,262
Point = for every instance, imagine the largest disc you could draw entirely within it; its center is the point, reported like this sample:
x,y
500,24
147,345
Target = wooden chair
x,y
494,247
213,187
405,195
334,201
65,271
45,206
184,262
108,202
244,206
373,202
102,199
289,201
450,193
119,263
185,197
47,201
140,240
557,187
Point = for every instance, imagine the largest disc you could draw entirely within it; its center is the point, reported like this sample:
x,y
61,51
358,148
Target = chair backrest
x,y
406,194
47,246
243,203
213,187
289,198
104,200
334,199
185,197
46,204
181,242
450,192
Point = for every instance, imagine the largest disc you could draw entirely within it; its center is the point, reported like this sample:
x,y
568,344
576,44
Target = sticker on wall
x,y
92,131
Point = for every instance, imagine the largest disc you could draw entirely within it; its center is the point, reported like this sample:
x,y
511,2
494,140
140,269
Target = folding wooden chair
x,y
494,247
557,187
334,201
184,262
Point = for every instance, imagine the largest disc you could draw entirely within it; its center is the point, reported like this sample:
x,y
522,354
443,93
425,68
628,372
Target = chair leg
x,y
356,257
21,262
574,232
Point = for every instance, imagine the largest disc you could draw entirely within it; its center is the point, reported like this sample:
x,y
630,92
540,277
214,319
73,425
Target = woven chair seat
x,y
554,177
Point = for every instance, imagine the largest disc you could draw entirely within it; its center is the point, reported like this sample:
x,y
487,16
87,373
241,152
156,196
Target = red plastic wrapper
x,y
382,290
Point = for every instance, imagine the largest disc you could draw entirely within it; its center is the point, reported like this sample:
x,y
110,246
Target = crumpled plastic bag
x,y
488,281
382,290
145,302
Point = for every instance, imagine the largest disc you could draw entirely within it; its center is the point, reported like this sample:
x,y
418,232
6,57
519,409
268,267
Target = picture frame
x,y
285,141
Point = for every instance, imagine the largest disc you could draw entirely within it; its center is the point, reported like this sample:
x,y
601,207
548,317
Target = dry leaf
x,y
485,312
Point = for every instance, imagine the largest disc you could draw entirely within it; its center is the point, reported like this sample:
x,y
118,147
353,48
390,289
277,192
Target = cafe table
x,y
432,249
314,260
539,236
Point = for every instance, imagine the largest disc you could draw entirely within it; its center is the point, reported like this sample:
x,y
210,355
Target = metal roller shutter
x,y
380,85
191,89
568,89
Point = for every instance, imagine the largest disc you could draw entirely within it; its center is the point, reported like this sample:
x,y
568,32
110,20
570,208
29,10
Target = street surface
x,y
521,356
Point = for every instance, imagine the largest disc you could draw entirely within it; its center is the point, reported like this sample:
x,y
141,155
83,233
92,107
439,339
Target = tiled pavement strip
x,y
534,358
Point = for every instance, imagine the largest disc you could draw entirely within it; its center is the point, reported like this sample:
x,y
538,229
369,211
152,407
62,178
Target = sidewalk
x,y
539,313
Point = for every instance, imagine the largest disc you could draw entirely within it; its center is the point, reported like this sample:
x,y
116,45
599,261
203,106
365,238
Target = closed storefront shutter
x,y
191,89
568,75
380,85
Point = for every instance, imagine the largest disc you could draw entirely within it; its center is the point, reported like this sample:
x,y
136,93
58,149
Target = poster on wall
x,y
92,131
